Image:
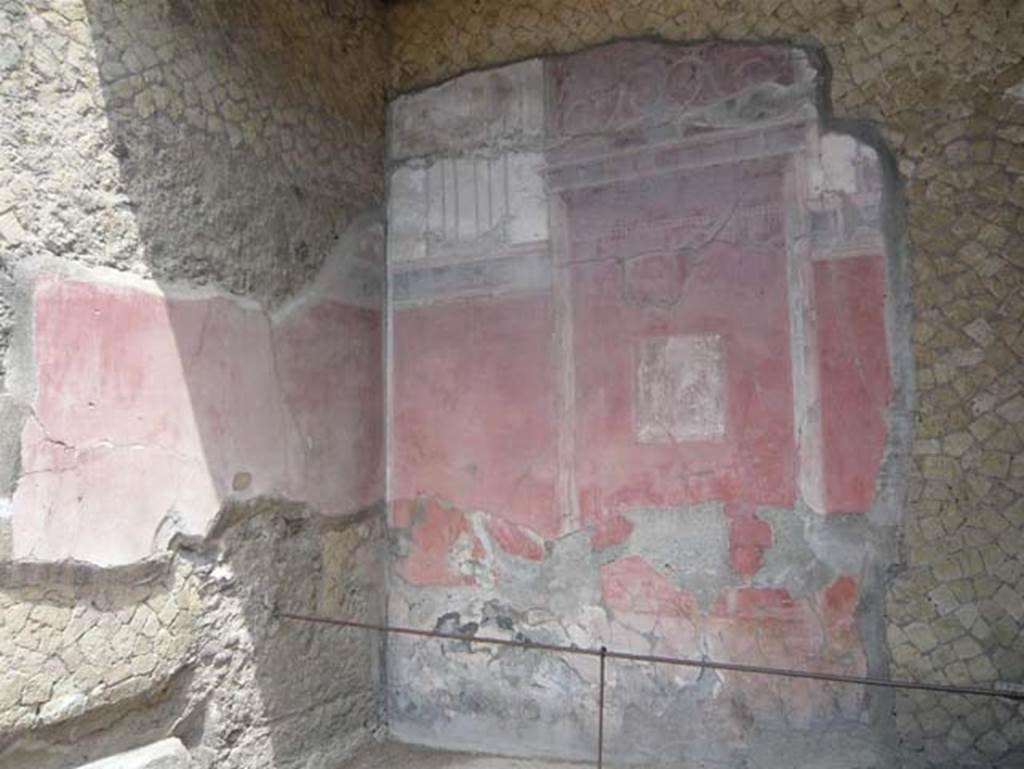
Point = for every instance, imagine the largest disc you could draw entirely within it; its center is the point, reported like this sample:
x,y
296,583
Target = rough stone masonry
x,y
653,376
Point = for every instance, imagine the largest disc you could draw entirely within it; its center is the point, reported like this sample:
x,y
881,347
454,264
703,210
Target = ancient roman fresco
x,y
642,383
152,409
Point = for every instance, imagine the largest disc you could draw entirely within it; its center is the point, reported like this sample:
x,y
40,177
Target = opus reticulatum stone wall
x,y
188,646
174,171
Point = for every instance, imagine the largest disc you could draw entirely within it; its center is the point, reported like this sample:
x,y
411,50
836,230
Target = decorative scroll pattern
x,y
620,85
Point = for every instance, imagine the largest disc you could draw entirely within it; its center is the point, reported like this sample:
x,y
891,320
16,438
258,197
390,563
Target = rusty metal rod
x,y
734,667
600,712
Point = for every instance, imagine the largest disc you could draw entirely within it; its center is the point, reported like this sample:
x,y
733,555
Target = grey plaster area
x,y
842,754
6,315
206,213
690,544
12,414
448,694
171,139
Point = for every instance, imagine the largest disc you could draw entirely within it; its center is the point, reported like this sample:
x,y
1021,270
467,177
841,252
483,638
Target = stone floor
x,y
836,751
393,755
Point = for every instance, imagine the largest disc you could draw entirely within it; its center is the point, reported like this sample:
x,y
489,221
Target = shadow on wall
x,y
248,134
230,154
251,366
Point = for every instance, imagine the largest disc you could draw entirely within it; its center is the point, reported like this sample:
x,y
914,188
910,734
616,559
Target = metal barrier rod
x,y
678,661
600,712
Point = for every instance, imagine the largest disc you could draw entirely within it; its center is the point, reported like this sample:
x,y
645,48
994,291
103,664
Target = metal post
x,y
600,712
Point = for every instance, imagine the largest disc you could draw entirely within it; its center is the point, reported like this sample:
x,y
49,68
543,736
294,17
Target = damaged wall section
x,y
151,409
187,646
226,145
247,440
943,83
191,287
650,377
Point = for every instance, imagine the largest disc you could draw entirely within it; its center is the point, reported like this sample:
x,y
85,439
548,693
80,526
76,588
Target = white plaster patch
x,y
840,166
407,214
527,210
11,230
680,389
466,207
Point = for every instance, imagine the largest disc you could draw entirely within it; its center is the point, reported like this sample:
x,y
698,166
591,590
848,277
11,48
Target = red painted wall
x,y
150,410
474,407
707,348
855,385
732,291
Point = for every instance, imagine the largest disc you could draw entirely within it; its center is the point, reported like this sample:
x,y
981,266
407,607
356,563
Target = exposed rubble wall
x,y
99,660
208,142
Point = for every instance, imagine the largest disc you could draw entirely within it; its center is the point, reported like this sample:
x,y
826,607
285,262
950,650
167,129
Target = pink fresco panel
x,y
849,296
231,378
113,446
328,356
683,377
107,363
647,603
515,540
632,585
152,410
474,407
102,504
440,539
